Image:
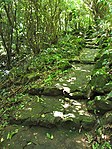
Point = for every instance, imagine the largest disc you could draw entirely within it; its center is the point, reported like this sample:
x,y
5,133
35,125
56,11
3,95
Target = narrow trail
x,y
59,118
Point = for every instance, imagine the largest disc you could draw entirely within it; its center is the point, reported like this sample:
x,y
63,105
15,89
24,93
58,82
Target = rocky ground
x,y
59,116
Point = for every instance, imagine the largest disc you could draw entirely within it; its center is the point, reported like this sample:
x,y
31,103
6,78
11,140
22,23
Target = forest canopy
x,y
29,26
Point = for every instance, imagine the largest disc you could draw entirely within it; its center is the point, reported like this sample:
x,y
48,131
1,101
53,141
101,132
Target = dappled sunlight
x,y
77,108
81,112
76,79
66,105
69,115
85,70
61,79
74,111
80,141
71,79
76,103
71,82
61,115
58,114
29,109
66,89
77,68
64,84
58,85
35,133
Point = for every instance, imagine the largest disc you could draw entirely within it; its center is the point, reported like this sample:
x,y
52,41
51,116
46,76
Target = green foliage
x,y
103,64
98,140
49,136
105,145
70,42
40,38
11,134
24,29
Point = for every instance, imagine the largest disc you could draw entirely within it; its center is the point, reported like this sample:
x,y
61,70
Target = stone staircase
x,y
90,51
91,43
57,113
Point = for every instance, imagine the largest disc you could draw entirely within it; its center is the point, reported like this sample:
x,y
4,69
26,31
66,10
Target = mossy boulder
x,y
52,91
102,103
88,122
50,111
46,91
109,96
108,87
88,55
39,111
101,76
77,95
107,118
99,80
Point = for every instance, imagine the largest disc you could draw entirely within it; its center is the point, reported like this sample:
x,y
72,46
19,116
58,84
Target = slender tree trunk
x,y
7,49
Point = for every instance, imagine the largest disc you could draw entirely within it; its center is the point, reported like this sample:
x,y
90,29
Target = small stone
x,y
36,91
52,92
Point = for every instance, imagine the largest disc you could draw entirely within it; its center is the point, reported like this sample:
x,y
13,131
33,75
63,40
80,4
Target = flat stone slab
x,y
20,137
77,78
54,111
88,54
91,39
31,126
73,84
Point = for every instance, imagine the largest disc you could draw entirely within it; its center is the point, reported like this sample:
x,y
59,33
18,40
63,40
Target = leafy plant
x,y
50,136
11,134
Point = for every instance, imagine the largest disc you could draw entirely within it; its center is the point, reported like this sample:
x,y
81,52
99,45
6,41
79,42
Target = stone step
x,y
53,112
92,46
89,54
90,39
69,85
73,80
23,137
91,43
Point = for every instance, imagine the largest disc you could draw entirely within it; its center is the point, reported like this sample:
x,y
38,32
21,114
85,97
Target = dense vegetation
x,y
39,40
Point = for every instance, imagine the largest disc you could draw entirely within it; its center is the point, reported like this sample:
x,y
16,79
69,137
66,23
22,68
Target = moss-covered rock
x,y
109,96
107,118
52,91
36,91
108,87
98,81
88,122
88,55
102,103
77,95
101,75
53,111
